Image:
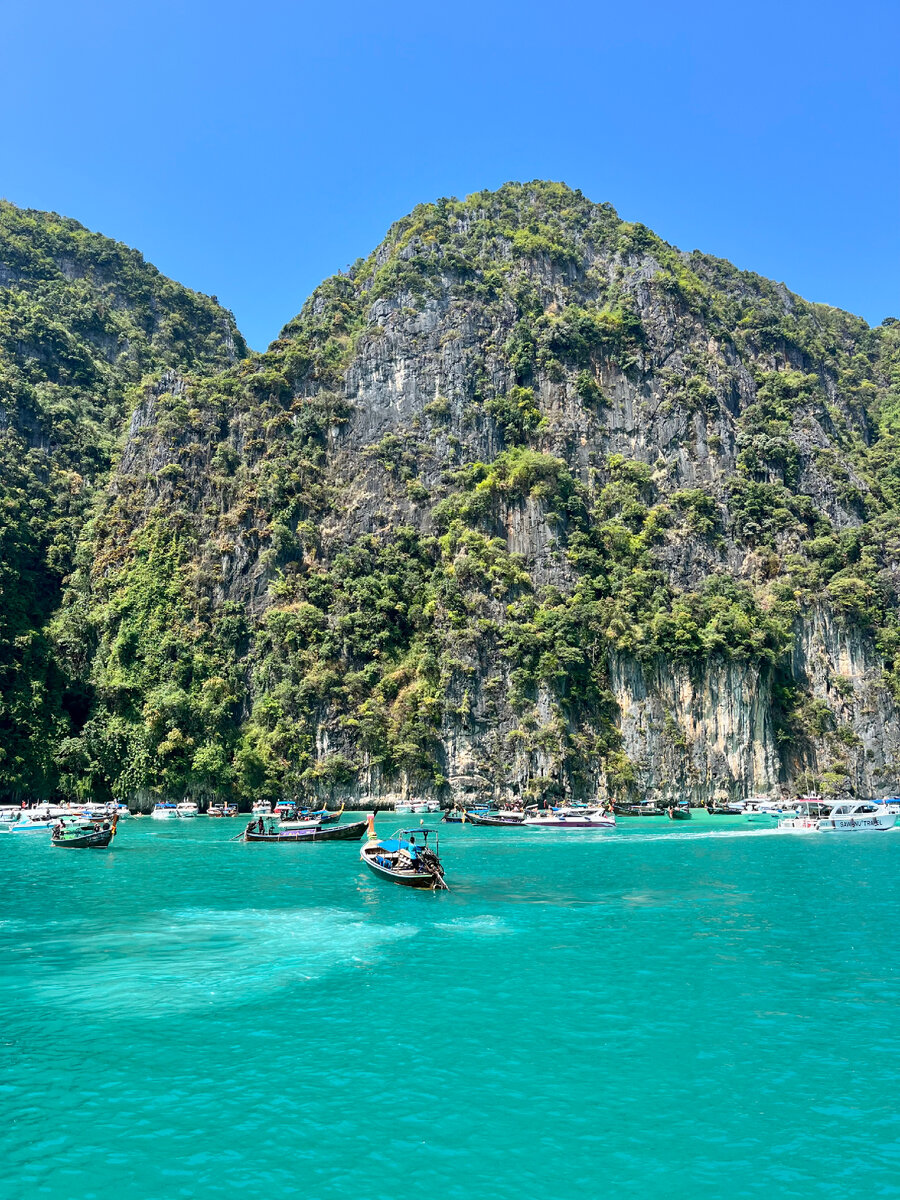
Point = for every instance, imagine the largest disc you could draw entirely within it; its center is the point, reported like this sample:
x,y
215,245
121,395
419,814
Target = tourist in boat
x,y
406,855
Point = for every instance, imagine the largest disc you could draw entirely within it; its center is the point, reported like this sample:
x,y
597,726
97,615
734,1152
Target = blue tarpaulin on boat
x,y
392,845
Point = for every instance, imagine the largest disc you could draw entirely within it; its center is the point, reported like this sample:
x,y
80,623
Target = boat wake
x,y
190,959
689,835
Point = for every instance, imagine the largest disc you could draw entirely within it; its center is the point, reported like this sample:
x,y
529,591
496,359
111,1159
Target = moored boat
x,y
187,808
569,818
403,859
222,810
28,822
508,819
165,810
679,812
271,829
83,833
293,810
646,808
844,816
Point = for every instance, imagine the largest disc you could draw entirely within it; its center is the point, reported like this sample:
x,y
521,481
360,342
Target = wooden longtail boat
x,y
81,833
511,819
404,860
678,812
272,832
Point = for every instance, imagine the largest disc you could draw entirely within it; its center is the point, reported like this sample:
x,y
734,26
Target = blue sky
x,y
249,150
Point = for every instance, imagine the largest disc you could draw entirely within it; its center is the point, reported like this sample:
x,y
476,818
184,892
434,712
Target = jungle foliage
x,y
231,626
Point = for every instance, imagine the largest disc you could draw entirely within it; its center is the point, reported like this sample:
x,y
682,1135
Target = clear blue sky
x,y
249,150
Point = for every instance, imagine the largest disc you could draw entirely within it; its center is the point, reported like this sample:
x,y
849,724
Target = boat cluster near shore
x,y
411,857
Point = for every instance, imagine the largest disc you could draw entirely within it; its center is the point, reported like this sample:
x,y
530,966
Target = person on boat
x,y
407,856
259,825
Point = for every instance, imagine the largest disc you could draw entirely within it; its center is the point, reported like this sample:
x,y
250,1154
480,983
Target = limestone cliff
x,y
528,502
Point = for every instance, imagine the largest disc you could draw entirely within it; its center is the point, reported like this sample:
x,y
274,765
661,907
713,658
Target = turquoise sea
x,y
659,1011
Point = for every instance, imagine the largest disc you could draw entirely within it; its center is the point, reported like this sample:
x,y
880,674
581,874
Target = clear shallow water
x,y
656,1012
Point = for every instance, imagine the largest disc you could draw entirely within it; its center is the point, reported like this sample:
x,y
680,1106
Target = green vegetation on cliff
x,y
82,319
520,444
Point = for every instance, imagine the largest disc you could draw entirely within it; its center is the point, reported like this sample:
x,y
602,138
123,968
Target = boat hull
x,y
679,814
335,833
414,879
480,819
88,841
880,823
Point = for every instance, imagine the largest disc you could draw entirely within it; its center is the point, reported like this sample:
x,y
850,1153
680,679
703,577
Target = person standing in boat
x,y
406,855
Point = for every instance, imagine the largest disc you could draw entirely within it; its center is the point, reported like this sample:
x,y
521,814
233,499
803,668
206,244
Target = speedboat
x,y
423,806
187,808
222,810
405,858
572,818
29,822
165,810
262,808
856,816
844,816
761,810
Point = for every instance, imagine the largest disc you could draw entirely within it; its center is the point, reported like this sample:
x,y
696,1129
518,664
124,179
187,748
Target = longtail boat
x,y
496,818
403,859
678,812
270,829
81,833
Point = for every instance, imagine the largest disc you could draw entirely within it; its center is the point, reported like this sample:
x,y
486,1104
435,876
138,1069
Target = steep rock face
x,y
529,502
703,734
82,319
854,714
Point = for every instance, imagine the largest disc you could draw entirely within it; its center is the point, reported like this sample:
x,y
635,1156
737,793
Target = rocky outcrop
x,y
529,503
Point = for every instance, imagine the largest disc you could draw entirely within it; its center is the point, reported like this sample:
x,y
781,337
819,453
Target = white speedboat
x,y
571,818
186,808
856,816
262,808
405,806
845,816
165,810
30,822
760,810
